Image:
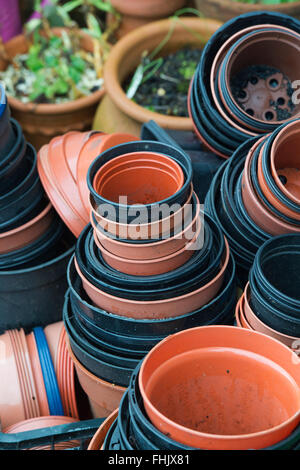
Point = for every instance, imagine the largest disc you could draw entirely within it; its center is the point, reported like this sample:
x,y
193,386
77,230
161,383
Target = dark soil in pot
x,y
165,91
260,78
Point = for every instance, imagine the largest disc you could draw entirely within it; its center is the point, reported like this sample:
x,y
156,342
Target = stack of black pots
x,y
243,85
141,310
255,195
34,244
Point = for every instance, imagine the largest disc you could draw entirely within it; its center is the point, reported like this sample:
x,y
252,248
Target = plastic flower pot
x,y
41,395
124,114
98,439
72,144
122,211
41,286
42,423
52,333
257,325
94,146
41,122
106,396
157,309
218,357
251,50
74,222
6,131
283,162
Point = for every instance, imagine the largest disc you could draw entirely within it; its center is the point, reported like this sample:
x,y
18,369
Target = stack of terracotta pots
x,y
255,195
39,376
270,303
214,388
243,86
34,244
133,283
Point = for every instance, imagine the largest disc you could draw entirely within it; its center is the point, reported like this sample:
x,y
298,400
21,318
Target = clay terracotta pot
x,y
72,144
257,325
224,10
96,144
41,122
150,267
165,308
117,113
98,439
256,209
27,233
105,396
147,251
143,177
284,161
246,395
153,230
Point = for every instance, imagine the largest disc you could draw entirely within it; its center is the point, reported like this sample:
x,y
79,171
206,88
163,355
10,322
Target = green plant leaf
x,y
70,6
74,74
102,5
33,25
93,25
135,82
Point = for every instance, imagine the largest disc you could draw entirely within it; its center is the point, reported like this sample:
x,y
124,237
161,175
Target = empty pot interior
x,y
261,75
286,158
223,391
282,272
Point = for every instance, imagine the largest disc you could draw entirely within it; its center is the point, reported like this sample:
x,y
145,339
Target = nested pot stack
x,y
34,244
176,401
133,281
270,303
243,86
255,195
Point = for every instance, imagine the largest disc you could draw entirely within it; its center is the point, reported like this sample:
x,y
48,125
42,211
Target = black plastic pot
x,y
12,165
273,284
121,210
6,132
34,296
201,82
219,308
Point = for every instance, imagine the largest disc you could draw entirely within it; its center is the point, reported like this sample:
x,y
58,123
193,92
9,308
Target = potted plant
x,y
54,75
139,60
224,10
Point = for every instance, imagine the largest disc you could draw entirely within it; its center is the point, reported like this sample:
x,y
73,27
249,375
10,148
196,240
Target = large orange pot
x,y
222,387
98,439
41,122
117,113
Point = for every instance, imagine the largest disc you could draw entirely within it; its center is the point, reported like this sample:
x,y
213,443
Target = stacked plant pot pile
x,y
270,303
63,166
34,244
127,291
243,85
39,376
215,388
255,195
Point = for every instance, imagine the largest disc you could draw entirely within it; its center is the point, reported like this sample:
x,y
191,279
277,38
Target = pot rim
x,y
28,224
113,87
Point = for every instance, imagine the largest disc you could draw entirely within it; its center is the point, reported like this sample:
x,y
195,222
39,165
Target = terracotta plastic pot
x,y
143,178
41,122
224,10
257,325
284,163
52,333
42,423
152,230
228,362
94,146
73,141
146,251
104,397
38,375
124,114
165,308
98,439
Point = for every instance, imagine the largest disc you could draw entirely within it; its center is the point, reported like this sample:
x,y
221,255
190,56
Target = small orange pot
x,y
98,439
166,308
96,144
27,233
105,396
222,388
257,325
144,178
145,231
148,251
